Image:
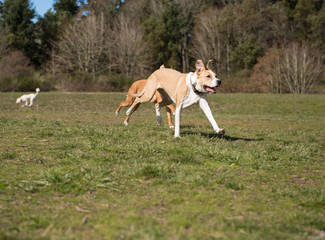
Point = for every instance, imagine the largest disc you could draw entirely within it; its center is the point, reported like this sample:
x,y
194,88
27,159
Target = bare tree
x,y
83,45
268,72
130,52
156,7
294,68
218,32
301,67
210,42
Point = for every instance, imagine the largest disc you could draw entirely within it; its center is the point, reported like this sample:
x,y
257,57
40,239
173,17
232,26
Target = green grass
x,y
70,169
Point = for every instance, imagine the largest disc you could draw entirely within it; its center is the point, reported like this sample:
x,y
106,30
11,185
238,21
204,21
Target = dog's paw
x,y
171,127
221,131
116,113
159,120
126,123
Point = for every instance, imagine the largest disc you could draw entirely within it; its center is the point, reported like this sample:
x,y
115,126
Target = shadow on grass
x,y
215,135
229,138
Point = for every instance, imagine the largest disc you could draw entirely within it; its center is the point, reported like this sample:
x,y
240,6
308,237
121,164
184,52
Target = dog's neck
x,y
191,82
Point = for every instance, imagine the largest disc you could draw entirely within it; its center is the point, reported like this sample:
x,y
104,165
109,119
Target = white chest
x,y
190,99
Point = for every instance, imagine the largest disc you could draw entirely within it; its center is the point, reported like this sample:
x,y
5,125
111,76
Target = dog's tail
x,y
137,94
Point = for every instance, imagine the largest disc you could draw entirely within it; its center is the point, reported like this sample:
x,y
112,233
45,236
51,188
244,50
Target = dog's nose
x,y
218,82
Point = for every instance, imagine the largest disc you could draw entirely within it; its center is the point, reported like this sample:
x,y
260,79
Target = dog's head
x,y
206,80
37,90
18,100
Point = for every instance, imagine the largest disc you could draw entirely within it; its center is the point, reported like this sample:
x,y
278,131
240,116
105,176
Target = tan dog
x,y
137,87
184,89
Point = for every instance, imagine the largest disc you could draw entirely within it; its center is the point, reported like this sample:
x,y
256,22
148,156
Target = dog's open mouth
x,y
210,89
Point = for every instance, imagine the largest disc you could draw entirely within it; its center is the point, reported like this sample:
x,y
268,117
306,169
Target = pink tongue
x,y
210,90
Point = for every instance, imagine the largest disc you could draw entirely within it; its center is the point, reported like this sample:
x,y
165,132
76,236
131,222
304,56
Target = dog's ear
x,y
199,66
162,66
208,64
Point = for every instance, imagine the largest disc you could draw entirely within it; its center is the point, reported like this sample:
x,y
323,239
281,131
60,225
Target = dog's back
x,y
137,86
170,80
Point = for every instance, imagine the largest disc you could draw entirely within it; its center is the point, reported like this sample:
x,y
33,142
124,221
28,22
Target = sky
x,y
41,6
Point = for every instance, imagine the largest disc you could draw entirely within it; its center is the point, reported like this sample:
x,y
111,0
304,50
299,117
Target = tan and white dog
x,y
29,97
184,89
137,87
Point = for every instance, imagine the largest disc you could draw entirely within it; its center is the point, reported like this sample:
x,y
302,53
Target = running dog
x,y
137,87
184,89
29,97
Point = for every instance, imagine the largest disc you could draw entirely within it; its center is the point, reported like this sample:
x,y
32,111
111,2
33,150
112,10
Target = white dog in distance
x,y
29,97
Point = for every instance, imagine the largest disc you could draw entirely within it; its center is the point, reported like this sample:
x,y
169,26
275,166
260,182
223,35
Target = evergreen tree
x,y
65,10
67,7
290,5
17,16
245,55
109,7
47,29
317,30
1,7
303,11
164,32
4,40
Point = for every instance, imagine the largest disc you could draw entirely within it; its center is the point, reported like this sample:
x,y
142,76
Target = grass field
x,y
70,169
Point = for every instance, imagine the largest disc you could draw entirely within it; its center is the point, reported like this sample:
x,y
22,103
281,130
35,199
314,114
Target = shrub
x,y
237,82
88,82
16,73
118,82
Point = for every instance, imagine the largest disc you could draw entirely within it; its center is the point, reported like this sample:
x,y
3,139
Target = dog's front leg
x,y
179,110
204,105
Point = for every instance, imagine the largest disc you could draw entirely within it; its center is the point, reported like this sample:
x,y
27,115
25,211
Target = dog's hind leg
x,y
146,95
128,102
171,107
164,100
159,118
126,121
159,100
169,110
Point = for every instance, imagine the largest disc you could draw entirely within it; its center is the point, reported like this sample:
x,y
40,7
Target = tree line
x,y
274,46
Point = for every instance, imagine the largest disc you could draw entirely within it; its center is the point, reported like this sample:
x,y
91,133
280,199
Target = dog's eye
x,y
208,76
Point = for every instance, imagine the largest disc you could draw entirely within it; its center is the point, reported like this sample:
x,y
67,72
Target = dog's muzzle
x,y
212,90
